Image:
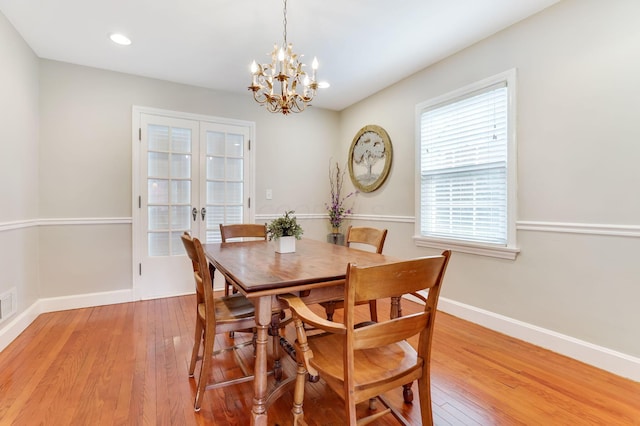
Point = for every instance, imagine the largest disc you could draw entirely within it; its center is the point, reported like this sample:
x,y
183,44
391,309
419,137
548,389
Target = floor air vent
x,y
8,304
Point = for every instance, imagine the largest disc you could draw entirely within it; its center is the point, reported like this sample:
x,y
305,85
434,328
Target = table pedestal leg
x,y
263,322
274,333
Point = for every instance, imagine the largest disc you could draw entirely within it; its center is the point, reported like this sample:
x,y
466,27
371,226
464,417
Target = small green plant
x,y
285,226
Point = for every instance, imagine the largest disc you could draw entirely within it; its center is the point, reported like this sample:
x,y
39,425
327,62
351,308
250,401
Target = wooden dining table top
x,y
255,266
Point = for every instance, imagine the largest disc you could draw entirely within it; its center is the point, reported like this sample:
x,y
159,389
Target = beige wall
x,y
578,150
18,166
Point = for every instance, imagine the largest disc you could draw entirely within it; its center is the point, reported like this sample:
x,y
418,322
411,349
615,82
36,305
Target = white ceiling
x,y
362,45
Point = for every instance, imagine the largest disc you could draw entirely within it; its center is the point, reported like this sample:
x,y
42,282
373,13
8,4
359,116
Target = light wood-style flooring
x,y
127,364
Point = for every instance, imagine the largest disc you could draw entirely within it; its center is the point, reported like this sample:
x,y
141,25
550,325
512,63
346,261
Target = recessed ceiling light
x,y
120,39
323,84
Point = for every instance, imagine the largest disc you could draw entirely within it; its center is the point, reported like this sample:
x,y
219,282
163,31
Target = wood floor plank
x,y
128,365
89,393
67,375
37,366
150,409
130,408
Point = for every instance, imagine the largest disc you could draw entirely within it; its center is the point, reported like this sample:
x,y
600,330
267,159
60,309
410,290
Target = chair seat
x,y
235,305
398,358
229,310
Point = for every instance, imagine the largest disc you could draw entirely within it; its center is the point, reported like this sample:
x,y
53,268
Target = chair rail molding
x,y
521,225
632,231
18,224
86,221
325,216
30,223
580,228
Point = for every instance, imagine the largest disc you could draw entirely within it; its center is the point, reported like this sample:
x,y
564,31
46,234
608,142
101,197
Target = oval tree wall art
x,y
370,158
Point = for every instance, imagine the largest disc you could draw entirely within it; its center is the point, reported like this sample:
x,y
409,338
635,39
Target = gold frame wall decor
x,y
370,145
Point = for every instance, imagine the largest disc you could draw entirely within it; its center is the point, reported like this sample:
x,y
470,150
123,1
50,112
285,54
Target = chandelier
x,y
276,85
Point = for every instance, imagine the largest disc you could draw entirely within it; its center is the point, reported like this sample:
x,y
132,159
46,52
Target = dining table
x,y
316,272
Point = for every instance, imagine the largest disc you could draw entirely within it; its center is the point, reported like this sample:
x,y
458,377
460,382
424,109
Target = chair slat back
x,y
385,333
191,250
364,235
243,230
394,279
201,273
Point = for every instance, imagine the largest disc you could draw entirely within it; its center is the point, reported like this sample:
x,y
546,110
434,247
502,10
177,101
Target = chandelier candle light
x,y
287,70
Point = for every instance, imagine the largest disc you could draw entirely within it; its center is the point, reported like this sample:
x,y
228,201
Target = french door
x,y
191,174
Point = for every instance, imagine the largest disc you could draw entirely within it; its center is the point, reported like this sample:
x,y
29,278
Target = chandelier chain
x,y
284,21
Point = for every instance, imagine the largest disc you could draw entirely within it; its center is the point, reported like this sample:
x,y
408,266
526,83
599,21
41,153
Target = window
x,y
466,155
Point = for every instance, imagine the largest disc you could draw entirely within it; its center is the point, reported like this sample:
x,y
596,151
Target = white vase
x,y
286,244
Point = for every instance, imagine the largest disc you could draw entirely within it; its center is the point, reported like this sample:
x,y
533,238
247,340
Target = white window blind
x,y
463,167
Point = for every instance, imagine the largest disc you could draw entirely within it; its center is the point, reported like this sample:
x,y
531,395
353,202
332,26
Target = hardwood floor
x,y
127,365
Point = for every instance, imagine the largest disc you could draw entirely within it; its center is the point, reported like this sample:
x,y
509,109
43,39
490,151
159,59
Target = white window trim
x,y
511,250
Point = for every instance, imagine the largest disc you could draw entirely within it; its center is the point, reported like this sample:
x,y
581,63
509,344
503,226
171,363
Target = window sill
x,y
501,252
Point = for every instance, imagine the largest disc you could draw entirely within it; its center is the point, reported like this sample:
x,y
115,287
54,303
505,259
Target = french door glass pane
x,y
168,188
235,145
215,192
234,192
215,143
158,164
158,244
215,168
180,217
158,190
215,216
180,166
234,169
180,192
158,138
158,218
180,140
234,214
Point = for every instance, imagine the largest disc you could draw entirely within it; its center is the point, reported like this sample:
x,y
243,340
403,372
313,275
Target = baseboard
x,y
63,303
598,356
16,326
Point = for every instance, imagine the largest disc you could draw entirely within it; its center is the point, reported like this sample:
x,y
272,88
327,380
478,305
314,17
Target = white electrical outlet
x,y
269,194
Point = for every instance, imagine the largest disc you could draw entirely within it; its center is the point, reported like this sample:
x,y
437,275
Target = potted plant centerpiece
x,y
285,230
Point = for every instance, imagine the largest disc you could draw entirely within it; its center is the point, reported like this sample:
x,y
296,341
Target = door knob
x,y
203,212
194,213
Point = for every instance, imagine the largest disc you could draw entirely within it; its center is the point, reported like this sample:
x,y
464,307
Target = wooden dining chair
x,y
242,231
216,316
356,237
361,362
